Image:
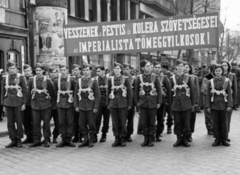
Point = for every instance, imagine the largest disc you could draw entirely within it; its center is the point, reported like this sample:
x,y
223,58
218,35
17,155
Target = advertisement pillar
x,y
50,17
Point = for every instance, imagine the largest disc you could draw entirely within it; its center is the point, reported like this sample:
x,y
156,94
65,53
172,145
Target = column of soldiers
x,y
81,104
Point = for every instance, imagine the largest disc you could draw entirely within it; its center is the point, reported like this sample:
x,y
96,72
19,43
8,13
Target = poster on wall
x,y
49,34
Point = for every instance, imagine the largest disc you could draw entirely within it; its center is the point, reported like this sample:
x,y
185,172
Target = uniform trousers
x,y
103,112
66,126
28,122
208,117
54,115
148,120
76,125
38,116
87,123
130,120
160,119
220,124
14,117
229,117
119,117
168,110
182,123
193,120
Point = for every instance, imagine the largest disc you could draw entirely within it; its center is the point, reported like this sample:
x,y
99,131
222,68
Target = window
x,y
4,3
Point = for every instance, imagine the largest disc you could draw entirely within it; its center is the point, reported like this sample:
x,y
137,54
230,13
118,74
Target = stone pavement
x,y
201,158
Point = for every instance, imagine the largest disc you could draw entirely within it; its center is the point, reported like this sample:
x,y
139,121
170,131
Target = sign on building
x,y
143,35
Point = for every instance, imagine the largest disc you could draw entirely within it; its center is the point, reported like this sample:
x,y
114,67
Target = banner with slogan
x,y
143,35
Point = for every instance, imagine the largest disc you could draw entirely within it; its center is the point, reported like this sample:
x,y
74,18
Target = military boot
x,y
19,143
46,143
35,144
178,142
80,138
27,140
225,143
75,139
129,138
216,142
145,142
54,140
103,138
85,142
12,144
123,142
185,141
158,138
116,142
61,144
151,141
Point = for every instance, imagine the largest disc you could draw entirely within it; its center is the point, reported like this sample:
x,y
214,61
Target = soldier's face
x,y
218,72
64,71
28,71
225,66
86,71
12,70
157,68
100,72
54,73
147,68
180,67
76,71
117,70
126,70
39,71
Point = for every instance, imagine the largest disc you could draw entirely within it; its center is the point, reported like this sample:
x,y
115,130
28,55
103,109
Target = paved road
x,y
200,158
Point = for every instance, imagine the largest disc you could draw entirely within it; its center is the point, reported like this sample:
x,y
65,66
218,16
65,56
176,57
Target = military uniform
x,y
77,132
64,87
41,96
182,103
148,95
131,111
103,111
168,109
236,71
87,98
166,95
13,96
233,86
28,120
119,93
55,117
218,99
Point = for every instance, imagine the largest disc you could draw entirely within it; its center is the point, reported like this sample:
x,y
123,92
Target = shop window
x,y
79,5
69,7
4,3
13,55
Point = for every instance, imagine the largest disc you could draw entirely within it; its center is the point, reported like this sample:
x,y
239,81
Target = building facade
x,y
14,30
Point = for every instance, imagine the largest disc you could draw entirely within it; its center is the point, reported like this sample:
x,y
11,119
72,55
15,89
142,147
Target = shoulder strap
x,y
112,80
80,83
186,78
59,82
212,83
90,83
153,78
225,84
123,80
34,82
174,80
141,78
7,79
230,77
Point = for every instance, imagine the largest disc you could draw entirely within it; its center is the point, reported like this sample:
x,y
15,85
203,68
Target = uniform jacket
x,y
205,83
196,88
236,71
168,74
103,87
119,101
40,102
12,100
147,100
28,78
219,102
85,104
233,84
131,80
63,100
164,81
181,102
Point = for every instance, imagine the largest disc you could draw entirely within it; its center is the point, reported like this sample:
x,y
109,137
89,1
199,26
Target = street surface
x,y
162,159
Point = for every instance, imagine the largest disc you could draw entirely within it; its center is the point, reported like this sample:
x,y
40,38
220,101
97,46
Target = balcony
x,y
165,7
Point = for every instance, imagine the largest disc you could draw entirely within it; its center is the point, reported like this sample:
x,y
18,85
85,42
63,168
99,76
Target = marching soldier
x,y
131,112
182,105
168,110
148,97
86,102
166,97
189,71
54,111
41,96
13,97
28,118
119,93
219,102
208,117
103,111
77,133
233,85
64,87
